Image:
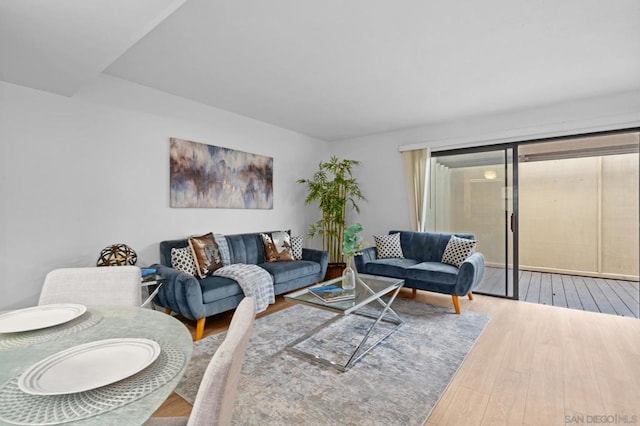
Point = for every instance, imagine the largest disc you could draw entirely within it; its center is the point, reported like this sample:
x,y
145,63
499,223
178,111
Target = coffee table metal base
x,y
361,350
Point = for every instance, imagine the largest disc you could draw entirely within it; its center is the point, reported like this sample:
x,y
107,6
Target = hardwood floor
x,y
615,297
533,365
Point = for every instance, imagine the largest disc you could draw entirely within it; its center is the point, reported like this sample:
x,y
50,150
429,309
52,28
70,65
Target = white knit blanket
x,y
253,280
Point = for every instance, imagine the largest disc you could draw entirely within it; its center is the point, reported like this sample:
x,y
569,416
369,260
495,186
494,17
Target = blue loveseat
x,y
197,299
422,268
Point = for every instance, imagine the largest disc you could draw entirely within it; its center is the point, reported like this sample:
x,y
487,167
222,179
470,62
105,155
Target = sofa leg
x,y
200,329
167,311
413,293
456,304
470,296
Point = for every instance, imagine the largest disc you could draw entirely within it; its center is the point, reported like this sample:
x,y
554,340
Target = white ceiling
x,y
332,69
60,45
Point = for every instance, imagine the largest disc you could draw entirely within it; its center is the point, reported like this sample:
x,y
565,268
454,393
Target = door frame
x,y
514,271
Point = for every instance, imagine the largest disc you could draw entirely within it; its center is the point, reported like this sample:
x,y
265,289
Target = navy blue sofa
x,y
196,298
422,268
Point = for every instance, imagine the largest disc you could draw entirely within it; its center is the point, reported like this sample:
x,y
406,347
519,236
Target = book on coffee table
x,y
332,293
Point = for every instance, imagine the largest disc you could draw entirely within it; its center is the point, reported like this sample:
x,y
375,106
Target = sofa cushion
x,y
433,272
246,248
457,251
426,246
215,288
287,271
396,268
388,246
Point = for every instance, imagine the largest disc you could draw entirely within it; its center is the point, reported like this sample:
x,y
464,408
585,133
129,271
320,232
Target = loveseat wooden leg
x,y
200,329
413,293
470,296
456,304
167,311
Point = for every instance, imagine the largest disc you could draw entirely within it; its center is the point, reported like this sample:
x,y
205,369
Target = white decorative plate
x,y
39,317
89,366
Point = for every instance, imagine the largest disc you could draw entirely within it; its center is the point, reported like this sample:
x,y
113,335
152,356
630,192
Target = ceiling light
x,y
490,174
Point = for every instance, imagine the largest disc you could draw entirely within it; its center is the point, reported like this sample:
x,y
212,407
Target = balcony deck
x,y
609,296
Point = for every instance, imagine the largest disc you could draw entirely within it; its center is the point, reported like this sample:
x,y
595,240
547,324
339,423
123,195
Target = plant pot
x,y
334,270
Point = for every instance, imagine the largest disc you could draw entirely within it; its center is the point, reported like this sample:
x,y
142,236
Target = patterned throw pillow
x,y
277,246
206,254
182,260
457,250
388,246
296,245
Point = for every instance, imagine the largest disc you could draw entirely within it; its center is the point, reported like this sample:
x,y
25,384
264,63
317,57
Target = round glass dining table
x,y
130,401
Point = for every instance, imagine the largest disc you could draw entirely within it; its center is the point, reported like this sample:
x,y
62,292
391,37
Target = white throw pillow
x,y
182,260
457,250
388,246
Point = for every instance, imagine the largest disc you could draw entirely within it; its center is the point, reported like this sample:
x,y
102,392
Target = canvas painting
x,y
211,176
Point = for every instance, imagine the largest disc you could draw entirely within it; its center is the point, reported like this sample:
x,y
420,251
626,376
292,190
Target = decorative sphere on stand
x,y
117,255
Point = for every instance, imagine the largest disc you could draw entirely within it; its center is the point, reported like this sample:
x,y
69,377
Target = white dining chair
x,y
217,392
105,285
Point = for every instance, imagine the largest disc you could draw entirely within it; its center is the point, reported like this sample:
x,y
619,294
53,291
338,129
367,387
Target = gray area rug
x,y
398,383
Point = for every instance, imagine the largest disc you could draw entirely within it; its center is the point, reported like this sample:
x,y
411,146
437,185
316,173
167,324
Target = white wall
x,y
613,111
588,209
382,181
78,174
382,171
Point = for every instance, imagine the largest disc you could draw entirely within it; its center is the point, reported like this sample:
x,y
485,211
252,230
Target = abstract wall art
x,y
209,176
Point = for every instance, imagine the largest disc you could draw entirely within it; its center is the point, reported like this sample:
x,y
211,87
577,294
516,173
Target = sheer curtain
x,y
416,165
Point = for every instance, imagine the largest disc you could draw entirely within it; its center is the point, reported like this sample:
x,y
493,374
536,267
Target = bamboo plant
x,y
336,190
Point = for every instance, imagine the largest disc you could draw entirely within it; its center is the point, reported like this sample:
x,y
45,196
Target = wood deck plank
x,y
598,296
495,280
624,295
487,280
546,289
559,298
585,296
533,295
523,284
616,302
575,292
492,282
571,293
632,289
498,279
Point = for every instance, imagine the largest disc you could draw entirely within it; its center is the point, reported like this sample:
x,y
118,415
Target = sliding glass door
x,y
557,220
473,192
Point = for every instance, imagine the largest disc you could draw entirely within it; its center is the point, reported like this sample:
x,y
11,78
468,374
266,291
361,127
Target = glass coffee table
x,y
367,303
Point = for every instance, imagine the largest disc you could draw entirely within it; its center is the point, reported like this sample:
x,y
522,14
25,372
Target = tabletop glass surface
x,y
375,287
